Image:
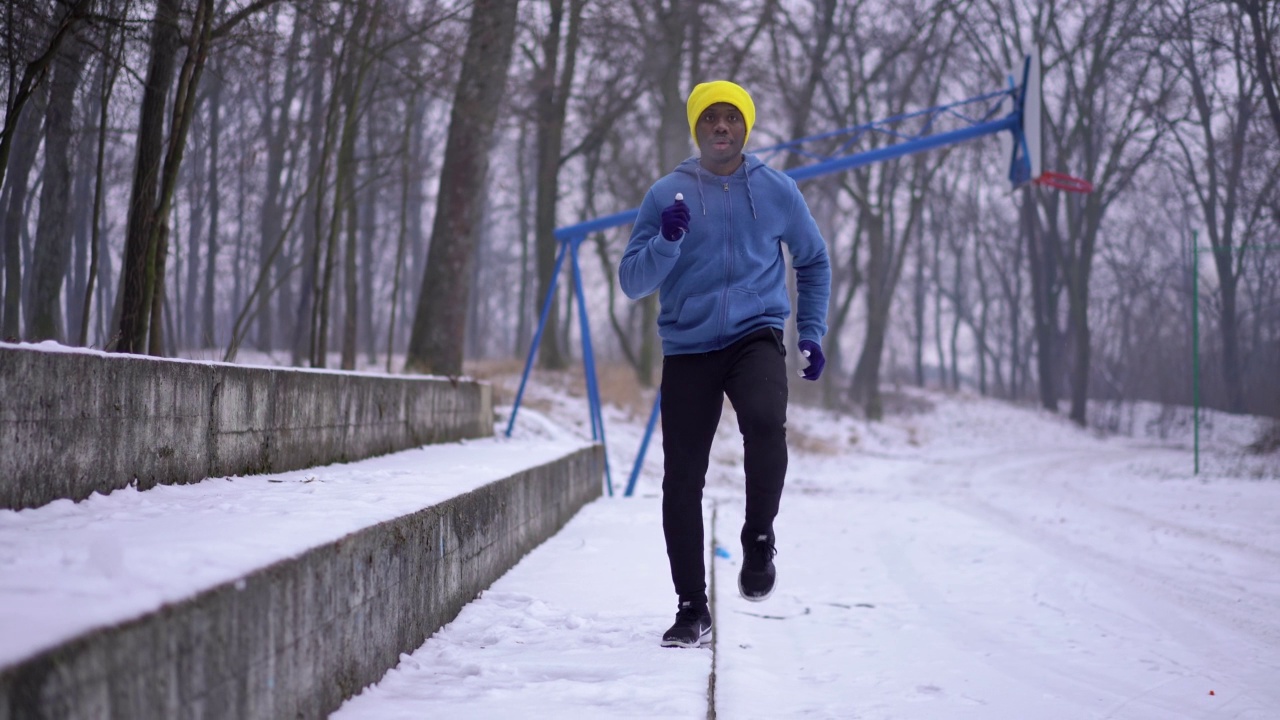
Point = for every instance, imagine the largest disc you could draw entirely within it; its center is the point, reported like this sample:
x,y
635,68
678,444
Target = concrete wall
x,y
75,423
295,639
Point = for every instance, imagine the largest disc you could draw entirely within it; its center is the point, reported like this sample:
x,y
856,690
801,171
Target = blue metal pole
x,y
909,147
1010,122
583,229
644,445
593,400
537,336
589,366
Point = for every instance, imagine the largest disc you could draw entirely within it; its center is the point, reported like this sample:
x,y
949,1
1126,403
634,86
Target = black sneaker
x,y
755,580
692,628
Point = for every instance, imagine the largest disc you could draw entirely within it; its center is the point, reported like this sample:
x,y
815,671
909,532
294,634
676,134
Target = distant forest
x,y
365,183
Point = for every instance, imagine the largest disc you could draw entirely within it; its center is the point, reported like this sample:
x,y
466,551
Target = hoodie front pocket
x,y
745,308
698,316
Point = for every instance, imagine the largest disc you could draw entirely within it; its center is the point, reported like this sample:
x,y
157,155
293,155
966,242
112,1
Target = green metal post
x,y
1195,324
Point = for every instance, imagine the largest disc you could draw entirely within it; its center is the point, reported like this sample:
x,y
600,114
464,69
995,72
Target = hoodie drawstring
x,y
701,197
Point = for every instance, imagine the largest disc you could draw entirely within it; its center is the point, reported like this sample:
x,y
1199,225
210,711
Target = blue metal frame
x,y
986,123
569,248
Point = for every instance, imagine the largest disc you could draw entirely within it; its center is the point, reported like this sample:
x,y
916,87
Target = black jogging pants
x,y
752,373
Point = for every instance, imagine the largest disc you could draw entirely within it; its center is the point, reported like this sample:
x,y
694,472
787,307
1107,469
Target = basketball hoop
x,y
1063,181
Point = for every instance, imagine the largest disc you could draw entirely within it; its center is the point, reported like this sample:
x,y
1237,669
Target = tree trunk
x,y
155,338
1078,309
327,247
553,87
81,211
27,134
524,307
53,231
1229,320
960,309
982,324
208,334
184,109
110,71
197,199
350,284
275,130
368,236
865,389
139,258
919,298
550,137
317,168
344,200
407,181
885,260
939,293
1044,301
436,343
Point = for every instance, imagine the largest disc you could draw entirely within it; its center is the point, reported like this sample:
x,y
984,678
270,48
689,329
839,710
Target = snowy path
x,y
1082,580
978,561
569,632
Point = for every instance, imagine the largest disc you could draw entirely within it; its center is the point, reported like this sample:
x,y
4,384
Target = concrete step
x,y
267,596
74,421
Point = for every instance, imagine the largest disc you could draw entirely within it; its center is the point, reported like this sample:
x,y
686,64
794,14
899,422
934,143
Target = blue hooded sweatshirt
x,y
727,276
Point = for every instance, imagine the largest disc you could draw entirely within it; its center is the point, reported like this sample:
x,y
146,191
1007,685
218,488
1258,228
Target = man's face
x,y
720,133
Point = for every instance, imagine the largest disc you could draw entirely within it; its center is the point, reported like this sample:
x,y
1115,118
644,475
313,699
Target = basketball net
x,y
1063,181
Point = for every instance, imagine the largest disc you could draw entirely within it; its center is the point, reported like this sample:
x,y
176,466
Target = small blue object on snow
x,y
721,552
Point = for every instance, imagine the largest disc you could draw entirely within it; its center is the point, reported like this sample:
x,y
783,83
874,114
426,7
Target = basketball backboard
x,y
1020,149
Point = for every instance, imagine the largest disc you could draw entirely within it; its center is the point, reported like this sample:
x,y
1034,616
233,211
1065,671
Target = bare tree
x,y
890,197
1264,23
436,345
1209,44
1104,128
34,72
53,234
553,81
208,329
800,46
13,203
112,59
138,274
276,119
159,158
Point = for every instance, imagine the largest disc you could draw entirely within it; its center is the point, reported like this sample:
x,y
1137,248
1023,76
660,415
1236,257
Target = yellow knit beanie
x,y
706,94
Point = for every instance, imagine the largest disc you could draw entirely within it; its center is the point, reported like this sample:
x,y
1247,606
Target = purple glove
x,y
675,220
817,360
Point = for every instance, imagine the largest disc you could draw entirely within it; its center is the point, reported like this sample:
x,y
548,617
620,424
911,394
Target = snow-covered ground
x,y
962,559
